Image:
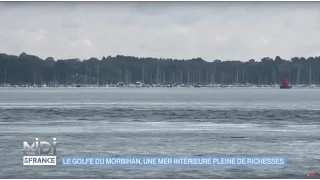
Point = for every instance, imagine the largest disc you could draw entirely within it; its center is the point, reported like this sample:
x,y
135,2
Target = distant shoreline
x,y
30,69
157,86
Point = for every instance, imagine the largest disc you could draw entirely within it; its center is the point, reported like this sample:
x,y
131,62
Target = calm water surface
x,y
162,121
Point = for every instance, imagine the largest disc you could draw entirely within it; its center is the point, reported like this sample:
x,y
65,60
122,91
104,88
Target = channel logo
x,y
40,152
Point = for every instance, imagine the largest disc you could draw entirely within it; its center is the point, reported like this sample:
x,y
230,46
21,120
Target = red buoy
x,y
285,84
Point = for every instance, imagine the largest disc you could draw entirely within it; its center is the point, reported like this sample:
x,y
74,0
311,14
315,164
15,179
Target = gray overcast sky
x,y
211,30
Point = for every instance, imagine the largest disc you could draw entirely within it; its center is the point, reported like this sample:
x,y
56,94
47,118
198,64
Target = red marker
x,y
311,174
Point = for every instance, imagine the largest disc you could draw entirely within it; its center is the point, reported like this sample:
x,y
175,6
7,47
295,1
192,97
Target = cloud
x,y
211,30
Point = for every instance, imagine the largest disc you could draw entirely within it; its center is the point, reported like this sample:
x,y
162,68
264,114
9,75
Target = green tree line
x,y
30,69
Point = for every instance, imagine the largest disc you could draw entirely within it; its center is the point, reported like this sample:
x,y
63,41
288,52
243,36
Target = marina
x,y
141,85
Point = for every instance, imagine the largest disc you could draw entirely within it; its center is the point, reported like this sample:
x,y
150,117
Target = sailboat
x,y
310,84
5,79
298,80
274,79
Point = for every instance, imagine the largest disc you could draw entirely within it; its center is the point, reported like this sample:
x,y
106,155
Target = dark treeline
x,y
30,69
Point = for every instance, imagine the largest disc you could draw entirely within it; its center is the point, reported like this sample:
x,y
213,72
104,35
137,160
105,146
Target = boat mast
x,y
298,76
5,75
142,74
214,75
188,77
275,76
243,76
164,76
126,75
67,78
172,77
310,75
146,75
158,75
237,77
129,75
86,74
207,77
222,76
199,76
53,78
273,80
211,76
57,76
289,75
34,77
97,73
